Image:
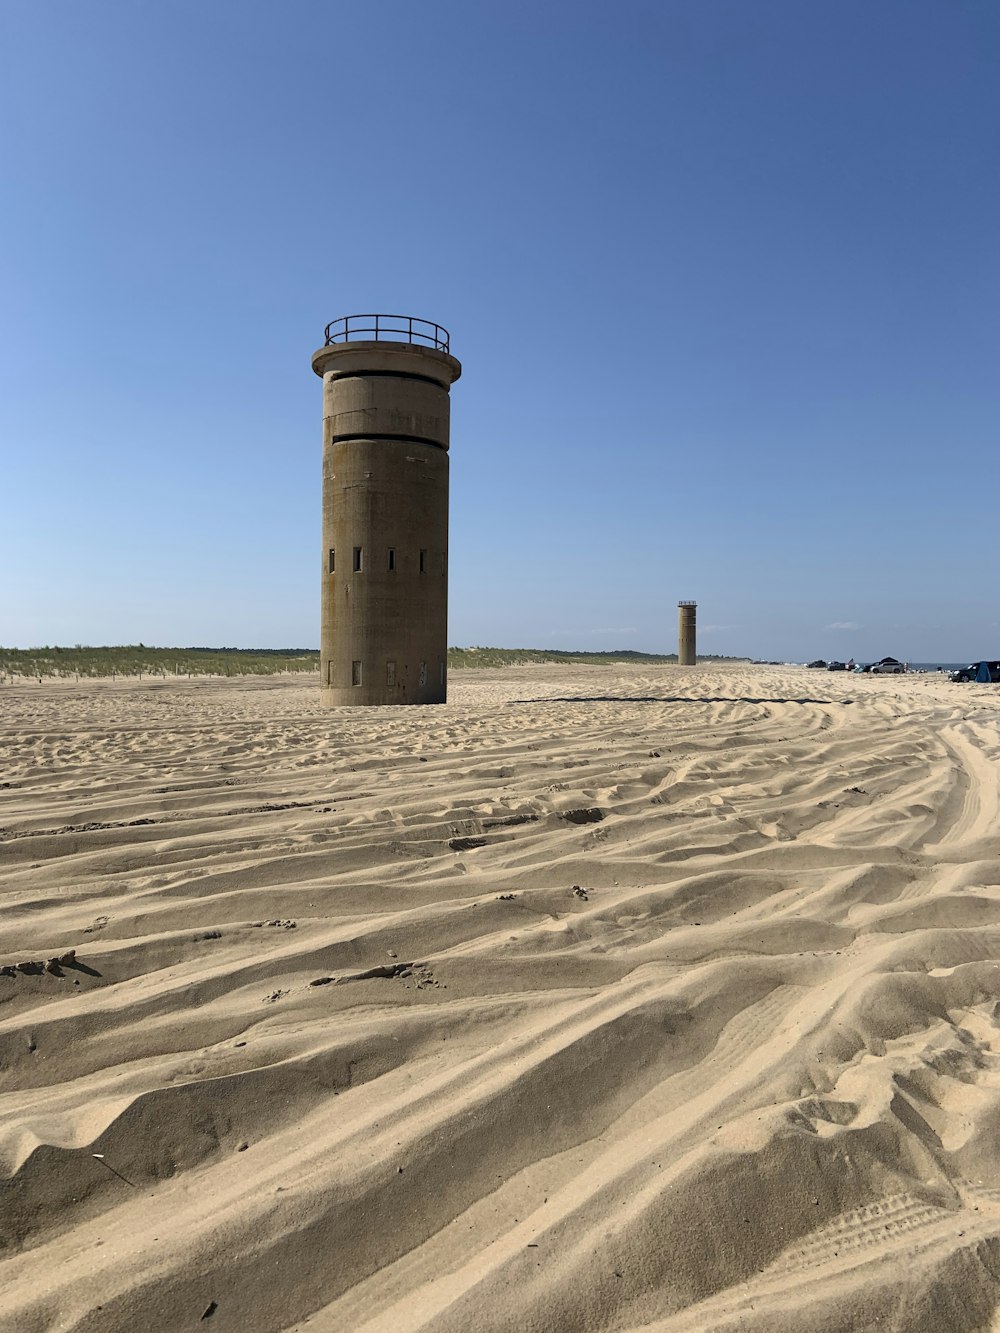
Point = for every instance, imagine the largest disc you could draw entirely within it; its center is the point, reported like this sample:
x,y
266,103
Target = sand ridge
x,y
597,998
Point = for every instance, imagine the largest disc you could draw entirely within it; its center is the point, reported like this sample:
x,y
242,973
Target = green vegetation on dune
x,y
502,657
138,660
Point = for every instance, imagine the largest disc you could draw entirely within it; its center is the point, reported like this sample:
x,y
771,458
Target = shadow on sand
x,y
669,699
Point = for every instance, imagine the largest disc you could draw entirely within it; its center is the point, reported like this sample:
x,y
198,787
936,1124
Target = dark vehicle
x,y
888,666
837,666
972,671
820,663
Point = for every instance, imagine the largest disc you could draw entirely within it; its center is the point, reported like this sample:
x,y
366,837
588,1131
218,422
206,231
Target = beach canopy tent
x,y
983,674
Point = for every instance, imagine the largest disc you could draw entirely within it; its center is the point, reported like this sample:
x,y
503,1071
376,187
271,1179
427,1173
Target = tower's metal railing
x,y
388,328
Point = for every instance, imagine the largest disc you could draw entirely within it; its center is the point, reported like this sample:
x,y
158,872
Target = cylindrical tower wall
x,y
384,631
687,651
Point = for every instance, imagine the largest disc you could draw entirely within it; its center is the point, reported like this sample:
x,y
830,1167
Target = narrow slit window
x,y
441,667
423,673
423,562
333,560
392,559
355,673
357,559
444,564
390,673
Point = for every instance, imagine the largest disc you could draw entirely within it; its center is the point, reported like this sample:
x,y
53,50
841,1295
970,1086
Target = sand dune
x,y
596,999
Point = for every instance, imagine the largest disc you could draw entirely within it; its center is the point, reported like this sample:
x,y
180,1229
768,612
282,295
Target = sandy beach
x,y
596,999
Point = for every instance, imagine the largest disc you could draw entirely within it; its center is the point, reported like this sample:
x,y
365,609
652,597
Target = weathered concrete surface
x,y
687,649
384,632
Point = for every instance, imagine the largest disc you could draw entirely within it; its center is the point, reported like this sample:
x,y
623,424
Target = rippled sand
x,y
597,999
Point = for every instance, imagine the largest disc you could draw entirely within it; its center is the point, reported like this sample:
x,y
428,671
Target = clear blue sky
x,y
724,277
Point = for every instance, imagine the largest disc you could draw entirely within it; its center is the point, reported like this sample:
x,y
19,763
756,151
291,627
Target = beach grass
x,y
140,660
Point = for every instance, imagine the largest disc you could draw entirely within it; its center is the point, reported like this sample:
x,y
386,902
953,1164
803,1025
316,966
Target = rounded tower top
x,y
355,344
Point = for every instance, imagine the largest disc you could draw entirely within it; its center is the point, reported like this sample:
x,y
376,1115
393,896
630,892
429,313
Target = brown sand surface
x,y
596,999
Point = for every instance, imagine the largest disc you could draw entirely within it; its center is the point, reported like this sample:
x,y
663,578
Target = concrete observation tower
x,y
687,652
384,631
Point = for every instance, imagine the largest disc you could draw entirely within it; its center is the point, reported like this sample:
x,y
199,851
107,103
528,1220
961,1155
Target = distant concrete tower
x,y
687,652
384,631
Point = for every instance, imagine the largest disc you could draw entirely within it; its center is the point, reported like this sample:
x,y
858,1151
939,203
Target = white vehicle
x,y
888,666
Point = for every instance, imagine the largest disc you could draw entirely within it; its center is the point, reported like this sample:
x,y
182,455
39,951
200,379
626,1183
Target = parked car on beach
x,y
819,664
974,670
888,666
